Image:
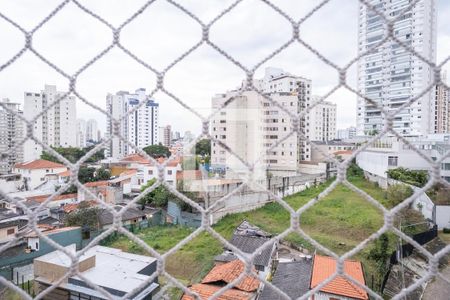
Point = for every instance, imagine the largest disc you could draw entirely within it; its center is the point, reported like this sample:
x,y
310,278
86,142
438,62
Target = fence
x,y
295,26
408,249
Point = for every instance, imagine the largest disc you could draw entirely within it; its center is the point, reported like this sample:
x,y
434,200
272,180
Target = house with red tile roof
x,y
220,276
56,201
145,170
35,173
340,288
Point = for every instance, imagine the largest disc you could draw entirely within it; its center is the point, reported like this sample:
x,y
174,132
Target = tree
x,y
86,174
102,174
380,254
158,197
203,147
398,192
85,216
90,174
354,170
157,151
73,154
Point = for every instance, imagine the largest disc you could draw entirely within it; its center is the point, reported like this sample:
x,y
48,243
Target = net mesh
x,y
295,215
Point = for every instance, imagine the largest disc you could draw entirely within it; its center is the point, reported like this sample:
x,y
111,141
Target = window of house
x,y
445,166
150,172
169,172
393,161
10,231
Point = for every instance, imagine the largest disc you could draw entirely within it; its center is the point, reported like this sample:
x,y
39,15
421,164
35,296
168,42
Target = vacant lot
x,y
339,221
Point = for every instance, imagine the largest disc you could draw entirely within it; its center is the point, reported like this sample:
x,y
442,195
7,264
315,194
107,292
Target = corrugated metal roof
x,y
290,277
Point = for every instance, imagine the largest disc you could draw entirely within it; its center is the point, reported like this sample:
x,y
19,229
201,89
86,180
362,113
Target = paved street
x,y
438,289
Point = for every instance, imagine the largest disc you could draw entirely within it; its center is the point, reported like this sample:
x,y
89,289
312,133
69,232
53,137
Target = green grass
x,y
188,264
340,221
445,237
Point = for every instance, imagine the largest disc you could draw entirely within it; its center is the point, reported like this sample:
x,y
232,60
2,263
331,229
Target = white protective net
x,y
295,215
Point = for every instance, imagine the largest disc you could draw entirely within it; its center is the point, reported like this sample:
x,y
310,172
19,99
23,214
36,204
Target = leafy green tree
x,y
84,216
73,154
354,170
90,174
158,197
86,174
157,151
380,254
203,147
397,193
102,174
97,156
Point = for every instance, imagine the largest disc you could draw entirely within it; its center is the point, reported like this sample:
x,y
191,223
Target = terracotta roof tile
x,y
39,164
189,174
68,208
65,173
324,267
96,183
128,172
205,291
230,271
135,158
42,198
343,152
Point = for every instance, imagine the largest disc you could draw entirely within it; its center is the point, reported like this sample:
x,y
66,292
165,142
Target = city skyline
x,y
200,75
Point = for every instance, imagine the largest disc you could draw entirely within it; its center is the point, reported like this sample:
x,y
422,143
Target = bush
x,y
396,193
414,177
446,230
354,170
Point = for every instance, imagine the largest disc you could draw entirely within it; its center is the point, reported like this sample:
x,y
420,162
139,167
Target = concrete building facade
x,y
347,133
139,127
322,121
165,135
56,126
442,108
279,81
92,132
11,134
390,75
251,124
81,133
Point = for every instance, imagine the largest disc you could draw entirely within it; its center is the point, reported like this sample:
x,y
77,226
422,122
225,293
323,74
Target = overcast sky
x,y
250,32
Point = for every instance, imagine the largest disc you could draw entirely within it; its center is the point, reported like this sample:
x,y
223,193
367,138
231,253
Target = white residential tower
x,y
140,126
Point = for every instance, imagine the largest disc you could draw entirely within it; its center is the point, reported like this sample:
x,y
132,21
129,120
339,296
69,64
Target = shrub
x,y
354,170
396,193
414,177
446,230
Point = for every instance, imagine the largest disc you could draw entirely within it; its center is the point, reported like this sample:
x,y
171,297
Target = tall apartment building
x,y
391,75
56,127
279,81
322,121
138,128
165,135
92,134
81,133
442,108
11,134
250,124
